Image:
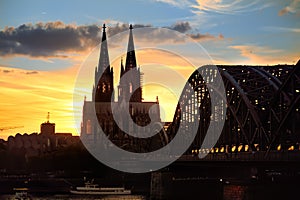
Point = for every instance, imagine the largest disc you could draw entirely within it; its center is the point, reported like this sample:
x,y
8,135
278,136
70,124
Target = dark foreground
x,y
50,176
171,183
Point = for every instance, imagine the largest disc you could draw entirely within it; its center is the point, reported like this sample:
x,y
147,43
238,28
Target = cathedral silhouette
x,y
129,100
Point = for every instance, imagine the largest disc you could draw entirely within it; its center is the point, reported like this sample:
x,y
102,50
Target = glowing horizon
x,y
51,100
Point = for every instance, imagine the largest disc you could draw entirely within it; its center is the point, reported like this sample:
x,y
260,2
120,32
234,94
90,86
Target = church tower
x,y
132,79
103,90
129,91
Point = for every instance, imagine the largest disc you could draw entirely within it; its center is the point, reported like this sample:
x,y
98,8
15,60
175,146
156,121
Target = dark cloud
x,y
53,38
167,35
47,39
181,27
206,36
7,71
11,71
185,27
31,72
118,28
141,25
56,39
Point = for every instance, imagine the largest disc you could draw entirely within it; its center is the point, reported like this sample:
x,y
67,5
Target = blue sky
x,y
92,11
245,25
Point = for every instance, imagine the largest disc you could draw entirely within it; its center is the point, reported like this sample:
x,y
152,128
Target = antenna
x,y
48,117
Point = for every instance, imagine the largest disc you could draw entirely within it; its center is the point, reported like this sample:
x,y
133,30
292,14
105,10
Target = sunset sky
x,y
45,44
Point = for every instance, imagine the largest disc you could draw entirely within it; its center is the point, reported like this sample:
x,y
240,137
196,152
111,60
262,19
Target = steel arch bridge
x,y
263,110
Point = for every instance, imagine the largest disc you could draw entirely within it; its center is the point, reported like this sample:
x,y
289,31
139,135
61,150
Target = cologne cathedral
x,y
129,100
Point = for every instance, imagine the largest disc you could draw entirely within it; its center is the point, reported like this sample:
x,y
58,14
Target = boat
x,y
90,188
21,194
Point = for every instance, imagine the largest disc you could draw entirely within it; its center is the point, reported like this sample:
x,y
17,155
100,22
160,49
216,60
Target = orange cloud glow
x,y
265,55
293,7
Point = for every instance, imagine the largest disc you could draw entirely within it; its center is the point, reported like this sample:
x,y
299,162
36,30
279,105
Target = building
x,y
48,128
129,99
46,142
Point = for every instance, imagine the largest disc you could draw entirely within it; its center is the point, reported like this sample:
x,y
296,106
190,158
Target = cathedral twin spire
x,y
104,84
104,57
103,92
130,58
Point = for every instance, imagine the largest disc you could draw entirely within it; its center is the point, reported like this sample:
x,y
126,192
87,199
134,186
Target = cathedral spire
x,y
103,91
130,85
130,58
103,64
122,68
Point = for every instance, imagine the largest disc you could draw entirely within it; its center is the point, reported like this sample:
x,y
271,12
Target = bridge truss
x,y
263,109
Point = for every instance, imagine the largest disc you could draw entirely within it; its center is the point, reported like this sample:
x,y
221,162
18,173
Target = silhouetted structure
x,y
132,79
129,100
38,144
104,75
48,128
263,110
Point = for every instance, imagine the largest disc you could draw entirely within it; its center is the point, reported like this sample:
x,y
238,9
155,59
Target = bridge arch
x,y
251,93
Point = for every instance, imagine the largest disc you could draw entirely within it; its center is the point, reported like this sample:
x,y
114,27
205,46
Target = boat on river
x,y
90,188
21,194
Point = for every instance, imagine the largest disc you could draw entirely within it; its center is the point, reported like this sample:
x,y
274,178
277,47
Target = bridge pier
x,y
225,180
160,185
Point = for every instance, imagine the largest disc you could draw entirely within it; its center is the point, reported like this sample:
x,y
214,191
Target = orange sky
x,y
27,96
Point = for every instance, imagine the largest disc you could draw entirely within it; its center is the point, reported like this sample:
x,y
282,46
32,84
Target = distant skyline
x,y
43,44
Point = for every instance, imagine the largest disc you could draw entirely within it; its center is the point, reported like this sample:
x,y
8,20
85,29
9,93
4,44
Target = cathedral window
x,y
88,127
130,87
48,142
103,88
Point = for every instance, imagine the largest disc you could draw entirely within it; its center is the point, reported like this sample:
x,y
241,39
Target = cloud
x,y
220,6
59,40
7,71
201,37
47,39
181,27
177,3
32,72
120,27
165,36
282,29
293,7
152,33
265,55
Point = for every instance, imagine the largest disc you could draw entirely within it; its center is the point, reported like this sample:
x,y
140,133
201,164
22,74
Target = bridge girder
x,y
262,103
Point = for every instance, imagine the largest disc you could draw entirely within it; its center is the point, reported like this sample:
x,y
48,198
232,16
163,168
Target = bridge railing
x,y
246,156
